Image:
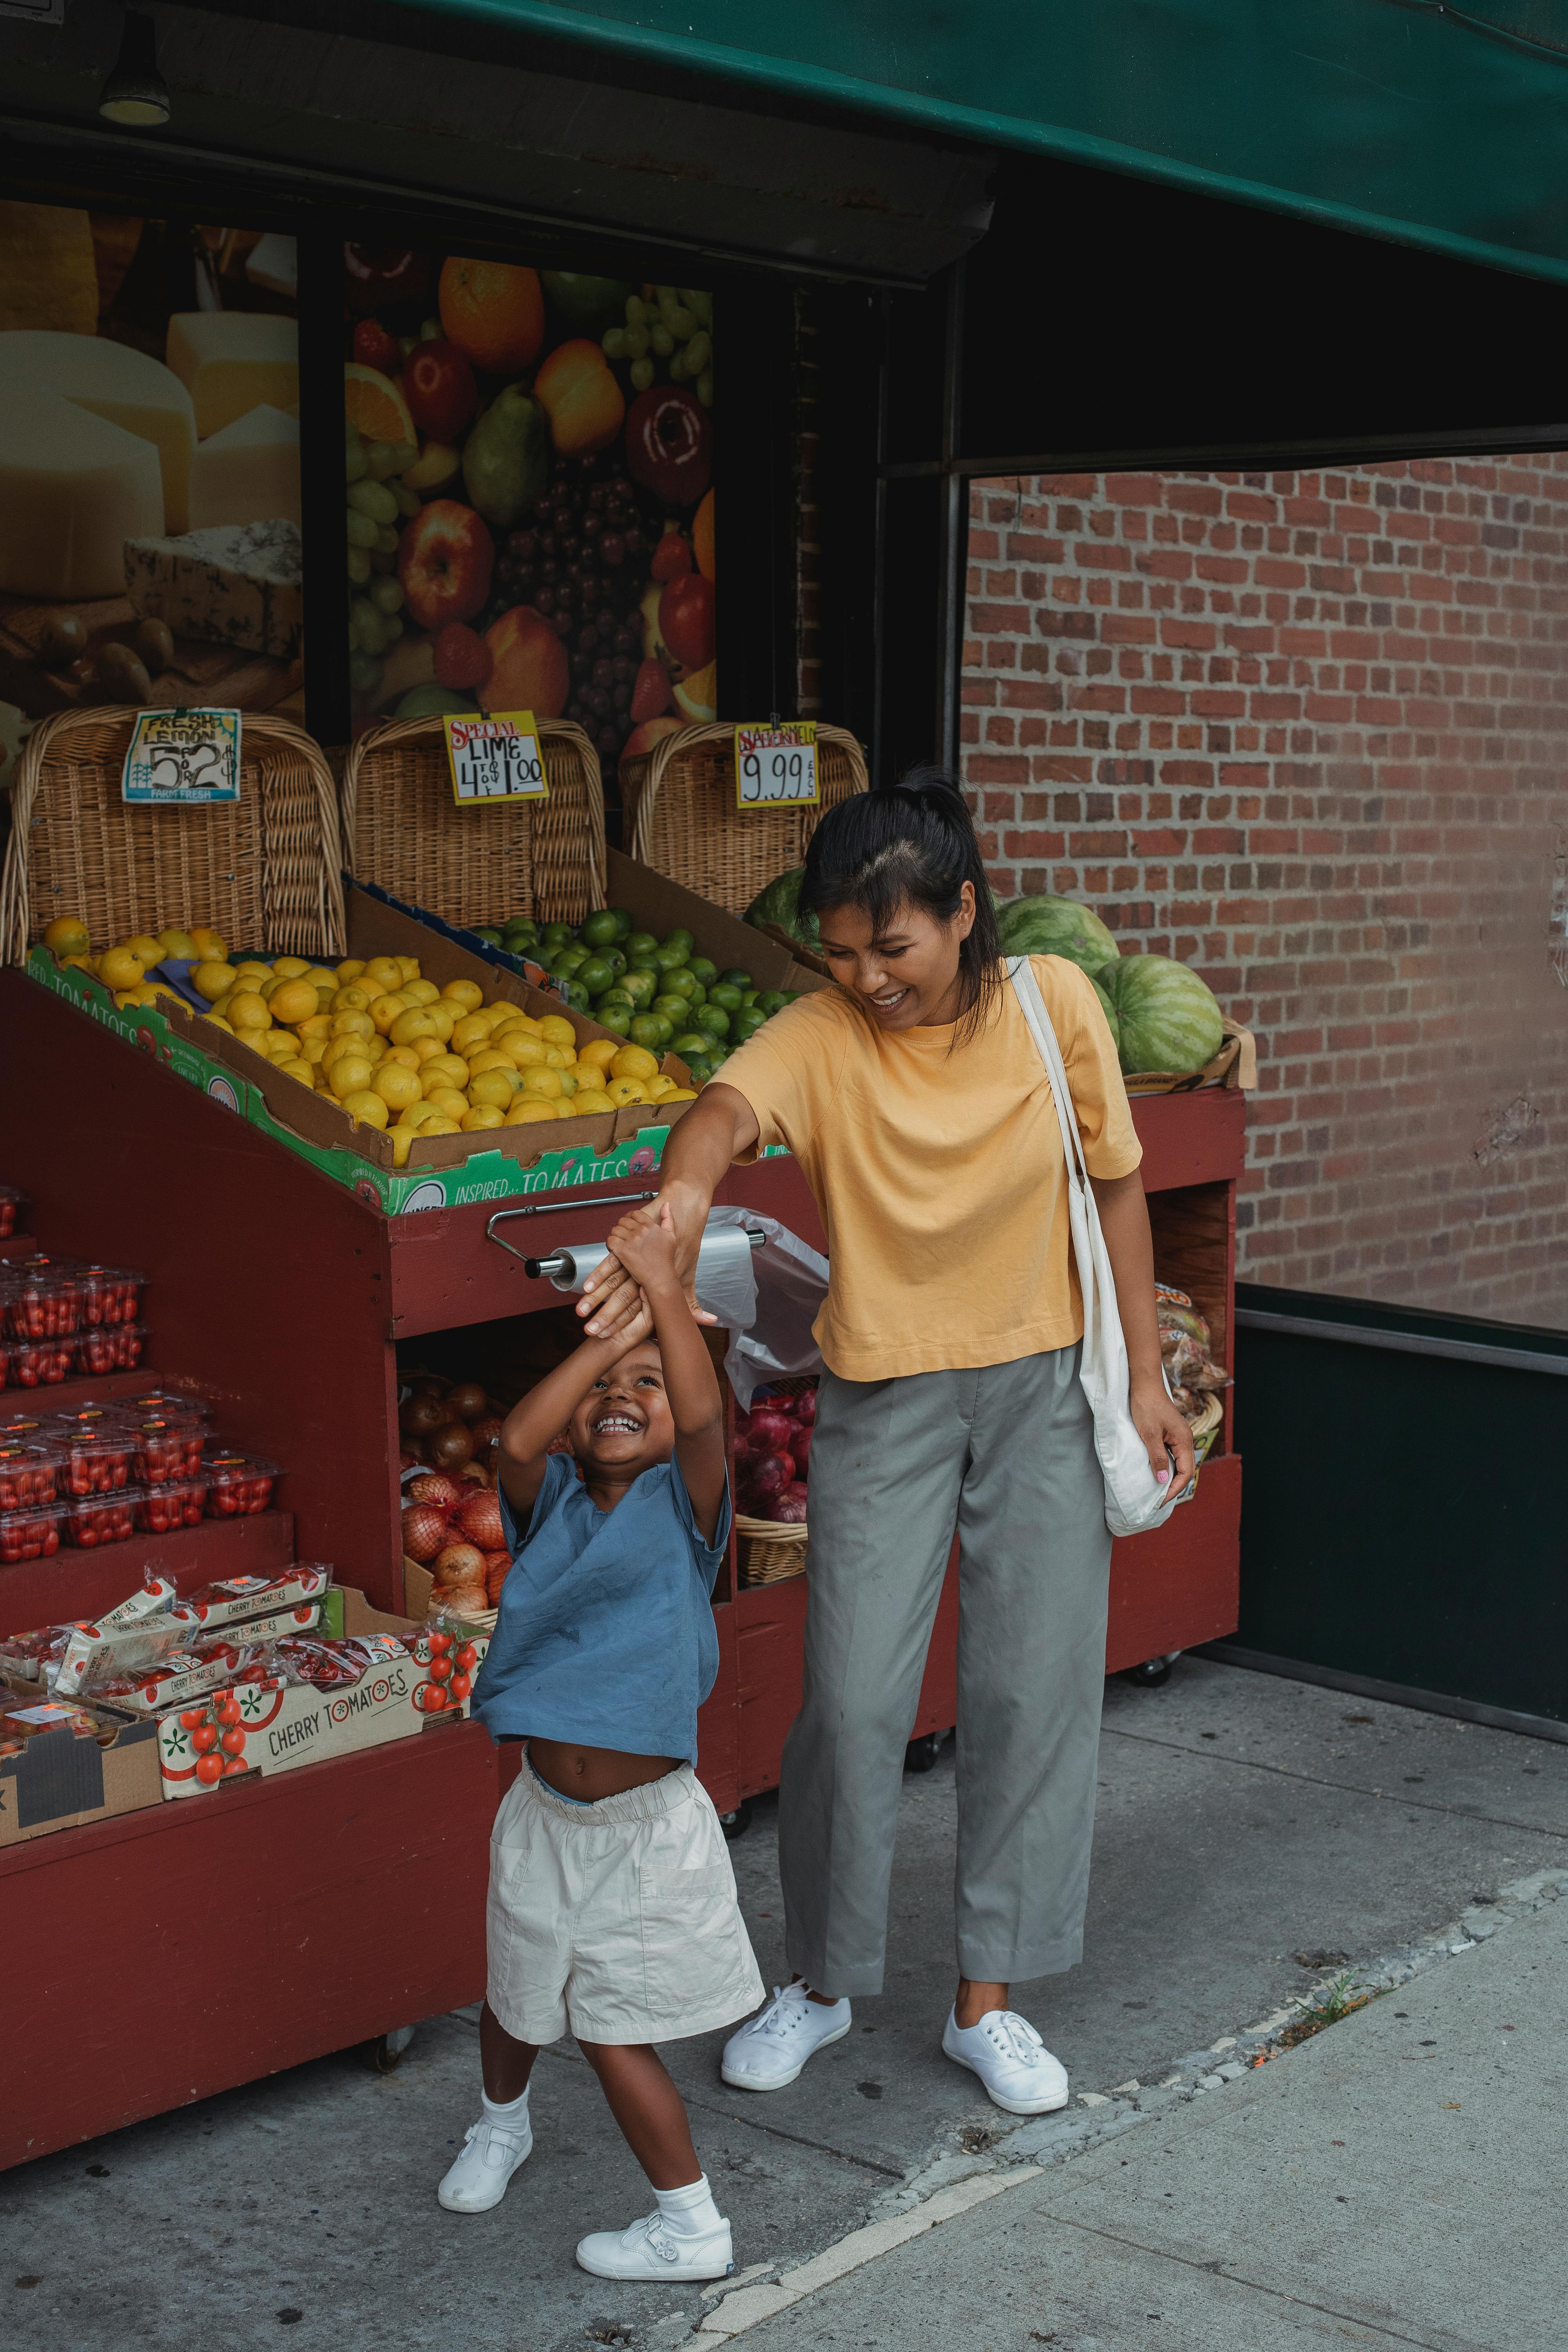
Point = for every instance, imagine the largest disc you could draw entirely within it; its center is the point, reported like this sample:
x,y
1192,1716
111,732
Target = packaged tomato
x,y
11,1204
109,1347
42,1363
324,1663
152,1597
170,1447
236,1597
239,1483
95,1460
43,1300
32,1534
93,1521
156,1402
24,1428
32,1658
28,1473
109,1293
176,1503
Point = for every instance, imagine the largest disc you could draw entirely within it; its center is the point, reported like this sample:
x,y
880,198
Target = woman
x,y
915,1100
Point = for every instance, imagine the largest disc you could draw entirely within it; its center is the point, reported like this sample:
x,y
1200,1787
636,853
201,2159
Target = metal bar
x,y
1404,1343
550,1208
1369,448
1467,1710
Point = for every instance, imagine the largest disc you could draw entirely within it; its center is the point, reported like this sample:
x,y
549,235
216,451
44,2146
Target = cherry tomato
x,y
228,1708
466,1655
235,1764
233,1741
192,1718
209,1770
204,1739
440,1669
459,1686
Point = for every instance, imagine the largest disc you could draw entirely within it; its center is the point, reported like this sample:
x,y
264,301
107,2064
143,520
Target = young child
x,y
612,1909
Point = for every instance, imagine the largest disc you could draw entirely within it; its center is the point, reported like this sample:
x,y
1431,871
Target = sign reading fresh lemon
x,y
776,766
494,759
183,756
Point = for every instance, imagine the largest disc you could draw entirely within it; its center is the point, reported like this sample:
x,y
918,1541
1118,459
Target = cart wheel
x,y
385,2055
737,1823
920,1754
1152,1672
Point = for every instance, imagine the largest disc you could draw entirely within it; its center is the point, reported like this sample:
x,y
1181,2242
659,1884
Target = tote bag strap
x,y
1031,1004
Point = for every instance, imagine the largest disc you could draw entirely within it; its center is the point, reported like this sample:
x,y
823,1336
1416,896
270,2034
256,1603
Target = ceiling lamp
x,y
135,92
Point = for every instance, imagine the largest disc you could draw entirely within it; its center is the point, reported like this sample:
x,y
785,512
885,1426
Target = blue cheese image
x,y
240,584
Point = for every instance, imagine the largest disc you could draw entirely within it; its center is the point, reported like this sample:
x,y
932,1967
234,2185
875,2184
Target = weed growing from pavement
x,y
1326,2007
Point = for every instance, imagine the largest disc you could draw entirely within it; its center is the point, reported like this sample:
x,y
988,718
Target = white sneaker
x,y
651,2250
1017,2070
771,2048
491,2154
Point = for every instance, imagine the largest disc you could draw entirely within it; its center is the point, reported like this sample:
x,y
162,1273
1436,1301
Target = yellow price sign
x,y
494,757
776,766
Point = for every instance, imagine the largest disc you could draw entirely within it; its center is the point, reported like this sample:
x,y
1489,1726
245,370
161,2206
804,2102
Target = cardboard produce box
x,y
62,1779
660,906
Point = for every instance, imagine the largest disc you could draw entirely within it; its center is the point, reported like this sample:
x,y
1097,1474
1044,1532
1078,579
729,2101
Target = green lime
x,y
736,978
641,986
617,1018
637,945
672,1008
575,954
746,1022
491,938
699,1067
670,957
691,1041
712,1019
703,971
615,961
652,1032
577,998
555,935
594,975
679,939
790,995
681,982
599,929
622,923
772,1000
726,995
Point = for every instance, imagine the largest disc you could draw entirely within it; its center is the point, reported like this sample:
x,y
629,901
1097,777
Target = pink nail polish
x,y
1164,1477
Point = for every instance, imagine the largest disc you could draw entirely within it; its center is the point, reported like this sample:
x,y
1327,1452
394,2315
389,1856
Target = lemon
x,y
293,1000
601,1050
350,968
296,1068
557,1058
526,1109
145,944
623,1091
542,1083
374,1049
251,971
320,975
658,1090
464,992
633,1062
448,1102
217,1021
410,966
79,963
396,1087
404,1055
368,1109
177,943
126,1000
413,1115
351,998
66,935
682,1094
473,1030
313,1050
491,1058
345,1024
208,943
121,968
400,1139
524,1053
483,1115
385,1009
492,1089
427,1049
385,970
558,1032
441,1125
450,1066
212,980
568,1082
316,1025
415,1022
511,1017
440,1016
421,992
351,1074
248,1011
590,1101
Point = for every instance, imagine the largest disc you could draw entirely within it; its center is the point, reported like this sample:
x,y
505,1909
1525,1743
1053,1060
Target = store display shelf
x,y
69,1396
72,1583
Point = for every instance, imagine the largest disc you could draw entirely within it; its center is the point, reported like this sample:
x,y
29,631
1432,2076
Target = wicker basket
x,y
264,870
770,1551
687,824
403,830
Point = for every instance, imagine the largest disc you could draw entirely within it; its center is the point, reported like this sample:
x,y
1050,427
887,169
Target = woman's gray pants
x,y
1006,1452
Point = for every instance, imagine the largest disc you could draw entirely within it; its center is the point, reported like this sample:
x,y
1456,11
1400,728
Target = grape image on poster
x,y
529,461
149,547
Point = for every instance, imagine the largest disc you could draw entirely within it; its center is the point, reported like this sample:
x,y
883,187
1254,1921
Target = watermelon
x,y
1112,1014
780,904
1045,925
1168,1016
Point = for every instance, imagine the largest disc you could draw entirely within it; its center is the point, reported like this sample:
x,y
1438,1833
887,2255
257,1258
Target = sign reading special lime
x,y
775,765
494,759
183,756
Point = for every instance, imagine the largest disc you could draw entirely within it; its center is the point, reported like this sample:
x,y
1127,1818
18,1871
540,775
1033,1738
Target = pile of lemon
x,y
397,1052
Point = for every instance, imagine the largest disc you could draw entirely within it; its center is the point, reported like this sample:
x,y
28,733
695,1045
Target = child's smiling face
x,y
624,1424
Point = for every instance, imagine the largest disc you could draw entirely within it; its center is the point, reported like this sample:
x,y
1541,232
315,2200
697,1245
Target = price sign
x,y
494,759
775,767
181,756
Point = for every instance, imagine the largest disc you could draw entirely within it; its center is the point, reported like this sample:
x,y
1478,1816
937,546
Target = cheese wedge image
x,y
109,380
73,488
249,471
233,361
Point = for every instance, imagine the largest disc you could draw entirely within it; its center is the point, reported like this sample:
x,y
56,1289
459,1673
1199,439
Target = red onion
x,y
771,1474
789,1506
450,1446
771,1430
800,1446
805,1407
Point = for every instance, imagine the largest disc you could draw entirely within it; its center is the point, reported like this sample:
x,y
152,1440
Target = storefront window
x,y
1307,732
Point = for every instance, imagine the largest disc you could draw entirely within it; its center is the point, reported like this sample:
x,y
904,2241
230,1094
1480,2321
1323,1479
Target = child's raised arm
x,y
547,1408
646,1251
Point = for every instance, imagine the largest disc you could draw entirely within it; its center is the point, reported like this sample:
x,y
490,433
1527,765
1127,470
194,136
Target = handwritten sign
x,y
494,759
186,756
776,766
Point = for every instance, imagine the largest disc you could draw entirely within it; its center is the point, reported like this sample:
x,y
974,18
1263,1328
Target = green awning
x,y
1439,126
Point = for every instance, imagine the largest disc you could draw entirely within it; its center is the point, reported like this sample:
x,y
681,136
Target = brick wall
x,y
1308,732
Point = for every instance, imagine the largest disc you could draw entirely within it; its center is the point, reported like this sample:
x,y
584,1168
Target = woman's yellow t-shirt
x,y
938,1171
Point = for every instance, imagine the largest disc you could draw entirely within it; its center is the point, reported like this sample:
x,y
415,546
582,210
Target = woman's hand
x,y
701,1145
611,1295
1159,1424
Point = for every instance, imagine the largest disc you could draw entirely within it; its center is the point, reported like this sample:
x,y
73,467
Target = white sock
x,y
514,2111
689,2212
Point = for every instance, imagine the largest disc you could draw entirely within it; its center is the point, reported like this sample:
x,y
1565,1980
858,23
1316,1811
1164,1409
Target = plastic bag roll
x,y
726,1284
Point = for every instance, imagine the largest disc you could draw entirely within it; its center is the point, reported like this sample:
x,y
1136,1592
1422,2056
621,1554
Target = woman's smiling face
x,y
906,973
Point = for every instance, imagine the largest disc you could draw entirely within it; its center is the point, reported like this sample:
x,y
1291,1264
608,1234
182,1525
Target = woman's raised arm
x,y
701,1145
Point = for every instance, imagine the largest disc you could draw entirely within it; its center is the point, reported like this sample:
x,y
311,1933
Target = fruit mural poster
x,y
530,460
149,547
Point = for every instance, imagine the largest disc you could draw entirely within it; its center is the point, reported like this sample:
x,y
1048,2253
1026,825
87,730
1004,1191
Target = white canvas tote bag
x,y
1134,1499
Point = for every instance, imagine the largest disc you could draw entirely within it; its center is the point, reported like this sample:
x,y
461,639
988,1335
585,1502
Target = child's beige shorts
x,y
616,1921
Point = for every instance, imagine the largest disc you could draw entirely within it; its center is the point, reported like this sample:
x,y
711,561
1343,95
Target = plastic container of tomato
x,y
11,1204
239,1483
29,1474
109,1293
109,1347
43,1301
42,1363
170,1447
156,1402
177,1503
93,1521
97,1461
31,1534
25,1428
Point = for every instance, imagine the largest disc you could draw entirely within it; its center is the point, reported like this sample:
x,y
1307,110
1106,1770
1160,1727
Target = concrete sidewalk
x,y
1249,1830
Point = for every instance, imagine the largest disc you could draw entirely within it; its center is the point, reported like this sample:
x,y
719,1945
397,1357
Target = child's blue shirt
x,y
605,1635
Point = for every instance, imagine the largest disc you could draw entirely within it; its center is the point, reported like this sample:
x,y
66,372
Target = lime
x,y
641,986
577,998
555,935
672,1008
623,922
691,1041
679,939
712,1019
650,1030
682,983
790,994
749,995
491,938
617,1018
726,995
772,1000
746,1022
637,945
736,978
575,955
615,961
599,929
700,968
521,927
700,1067
668,958
594,975
614,995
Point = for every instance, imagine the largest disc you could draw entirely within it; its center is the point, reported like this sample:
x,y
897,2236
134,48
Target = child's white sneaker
x,y
771,2048
650,2249
492,2150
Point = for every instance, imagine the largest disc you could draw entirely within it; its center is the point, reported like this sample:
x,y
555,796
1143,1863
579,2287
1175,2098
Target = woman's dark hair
x,y
910,844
